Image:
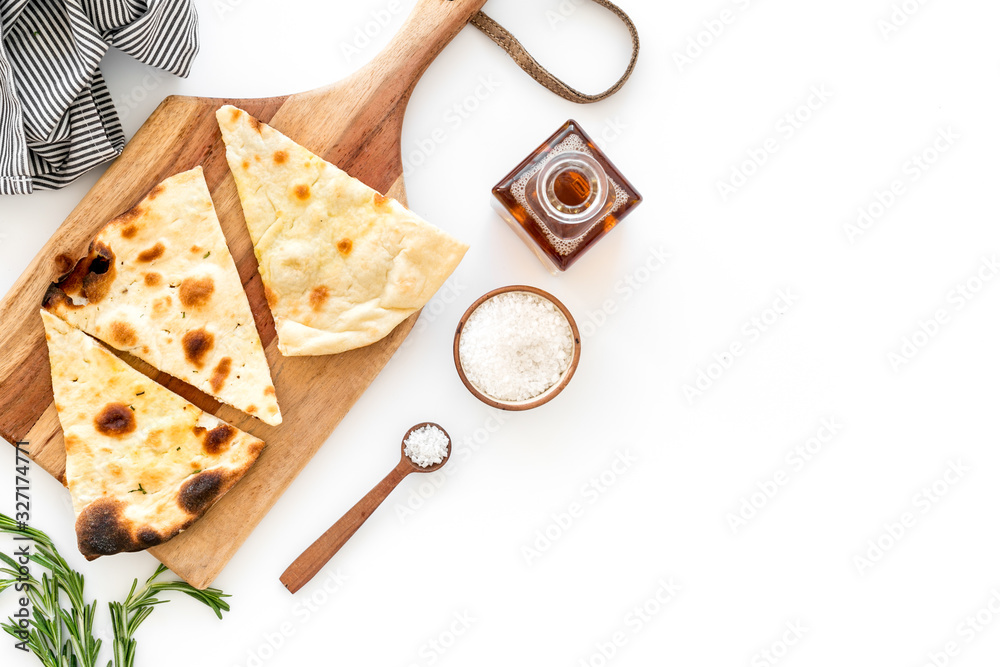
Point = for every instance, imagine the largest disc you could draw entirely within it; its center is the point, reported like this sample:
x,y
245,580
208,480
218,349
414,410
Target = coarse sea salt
x,y
515,346
426,446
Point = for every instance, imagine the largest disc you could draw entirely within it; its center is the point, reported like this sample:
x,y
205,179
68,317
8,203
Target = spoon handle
x,y
322,550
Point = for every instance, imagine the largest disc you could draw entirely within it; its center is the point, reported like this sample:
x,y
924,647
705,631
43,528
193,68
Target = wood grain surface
x,y
356,124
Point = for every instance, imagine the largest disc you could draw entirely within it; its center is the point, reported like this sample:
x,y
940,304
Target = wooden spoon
x,y
322,550
354,123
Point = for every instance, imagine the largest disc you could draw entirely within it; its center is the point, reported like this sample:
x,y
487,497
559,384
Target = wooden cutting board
x,y
356,124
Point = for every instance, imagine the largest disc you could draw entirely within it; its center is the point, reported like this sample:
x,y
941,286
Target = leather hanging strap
x,y
509,43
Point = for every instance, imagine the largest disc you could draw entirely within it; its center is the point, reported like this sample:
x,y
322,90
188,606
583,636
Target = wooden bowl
x,y
546,395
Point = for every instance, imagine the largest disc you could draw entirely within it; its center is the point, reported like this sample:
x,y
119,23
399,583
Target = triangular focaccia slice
x,y
341,264
159,283
141,462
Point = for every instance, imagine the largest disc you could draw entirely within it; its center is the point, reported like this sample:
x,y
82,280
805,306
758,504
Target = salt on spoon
x,y
425,448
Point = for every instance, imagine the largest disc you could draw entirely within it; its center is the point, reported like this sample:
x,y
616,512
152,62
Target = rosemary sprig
x,y
45,639
127,616
62,637
58,637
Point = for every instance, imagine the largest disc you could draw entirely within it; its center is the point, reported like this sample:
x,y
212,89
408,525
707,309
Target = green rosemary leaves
x,y
60,630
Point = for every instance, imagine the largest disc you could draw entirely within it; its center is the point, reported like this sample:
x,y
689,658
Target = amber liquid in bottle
x,y
564,197
572,187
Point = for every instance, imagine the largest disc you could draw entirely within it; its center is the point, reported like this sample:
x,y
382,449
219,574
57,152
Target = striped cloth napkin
x,y
56,115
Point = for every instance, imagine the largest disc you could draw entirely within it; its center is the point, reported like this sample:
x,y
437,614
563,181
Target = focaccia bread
x,y
342,265
141,462
159,283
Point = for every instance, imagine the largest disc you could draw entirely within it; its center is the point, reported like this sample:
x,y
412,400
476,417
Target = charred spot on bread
x,y
280,157
234,114
123,334
148,537
344,246
269,391
102,529
116,419
152,279
149,254
155,192
71,282
198,493
380,200
196,292
302,191
129,231
221,373
91,277
101,259
217,440
55,296
100,273
197,343
318,296
64,264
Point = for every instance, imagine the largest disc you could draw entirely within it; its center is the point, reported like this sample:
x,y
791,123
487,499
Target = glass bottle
x,y
564,197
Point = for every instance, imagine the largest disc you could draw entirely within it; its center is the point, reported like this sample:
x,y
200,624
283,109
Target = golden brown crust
x,y
122,334
196,292
151,254
115,419
91,277
342,264
197,344
318,296
217,440
221,373
142,463
198,493
159,282
101,529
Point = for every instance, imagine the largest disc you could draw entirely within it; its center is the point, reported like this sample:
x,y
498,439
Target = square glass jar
x,y
564,197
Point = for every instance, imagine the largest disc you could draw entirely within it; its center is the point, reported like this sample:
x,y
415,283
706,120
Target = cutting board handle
x,y
428,29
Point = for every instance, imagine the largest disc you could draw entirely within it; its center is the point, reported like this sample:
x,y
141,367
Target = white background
x,y
682,129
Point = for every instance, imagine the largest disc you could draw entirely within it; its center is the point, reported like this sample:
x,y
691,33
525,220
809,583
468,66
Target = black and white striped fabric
x,y
56,115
